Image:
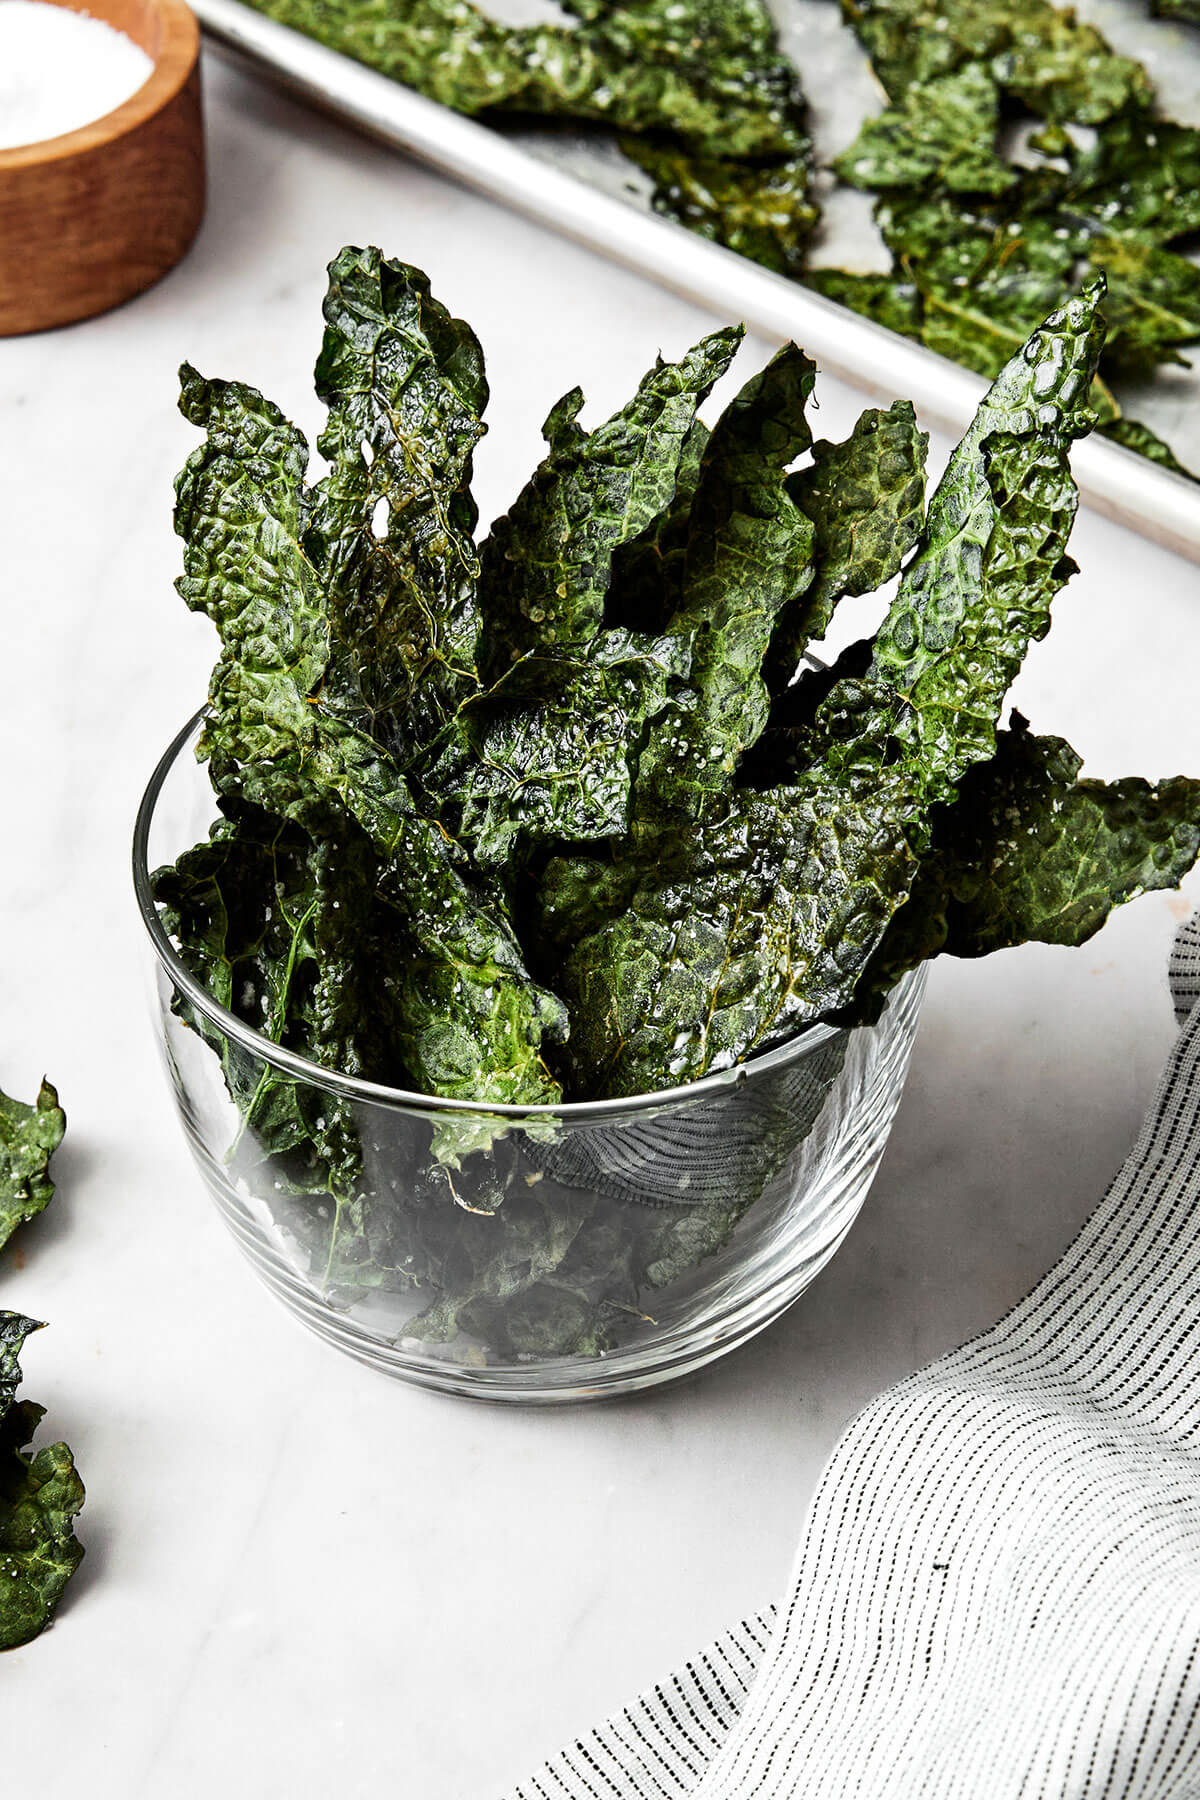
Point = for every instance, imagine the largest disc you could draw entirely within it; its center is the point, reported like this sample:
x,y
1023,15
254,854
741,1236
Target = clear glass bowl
x,y
587,1249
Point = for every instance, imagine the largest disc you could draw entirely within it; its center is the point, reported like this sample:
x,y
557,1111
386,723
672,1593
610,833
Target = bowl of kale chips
x,y
540,933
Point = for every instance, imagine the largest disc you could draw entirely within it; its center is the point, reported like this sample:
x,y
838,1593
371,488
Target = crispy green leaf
x,y
29,1136
708,71
942,131
1153,301
866,500
547,564
762,210
993,557
405,388
263,917
470,1020
473,1019
40,1496
647,572
1142,176
987,274
984,278
238,511
548,752
1061,68
1028,852
761,927
748,554
1065,70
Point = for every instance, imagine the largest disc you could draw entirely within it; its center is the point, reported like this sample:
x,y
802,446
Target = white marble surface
x,y
303,1579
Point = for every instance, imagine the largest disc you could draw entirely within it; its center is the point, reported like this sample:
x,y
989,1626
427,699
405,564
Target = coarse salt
x,y
60,69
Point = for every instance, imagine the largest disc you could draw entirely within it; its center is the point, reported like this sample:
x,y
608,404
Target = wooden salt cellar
x,y
91,218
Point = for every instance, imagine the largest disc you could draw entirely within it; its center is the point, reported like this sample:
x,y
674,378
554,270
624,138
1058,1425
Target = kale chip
x,y
556,818
1028,852
762,209
1061,68
989,228
547,564
865,499
985,244
943,131
284,734
40,1496
29,1136
696,90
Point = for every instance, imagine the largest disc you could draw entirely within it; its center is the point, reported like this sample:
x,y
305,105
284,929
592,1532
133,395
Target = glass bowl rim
x,y
352,1087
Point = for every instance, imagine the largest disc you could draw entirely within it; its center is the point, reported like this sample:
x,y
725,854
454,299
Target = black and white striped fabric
x,y
998,1590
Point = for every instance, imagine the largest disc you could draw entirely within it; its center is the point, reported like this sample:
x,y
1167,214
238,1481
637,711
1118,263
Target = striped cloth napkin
x,y
998,1589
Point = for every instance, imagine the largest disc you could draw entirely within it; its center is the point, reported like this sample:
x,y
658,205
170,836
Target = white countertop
x,y
302,1578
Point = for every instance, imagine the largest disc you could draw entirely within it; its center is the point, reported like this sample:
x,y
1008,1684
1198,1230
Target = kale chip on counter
x,y
40,1496
565,815
40,1492
29,1136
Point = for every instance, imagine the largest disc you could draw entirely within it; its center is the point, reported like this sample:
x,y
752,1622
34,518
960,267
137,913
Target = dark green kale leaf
x,y
1187,10
761,926
1153,302
547,564
912,41
1065,71
29,1136
265,918
748,554
706,71
942,131
472,1018
647,572
1059,67
1141,176
480,1270
405,387
782,752
40,1496
889,300
766,920
866,500
950,239
986,273
992,559
548,752
1140,438
582,892
1029,853
762,210
238,509
1005,262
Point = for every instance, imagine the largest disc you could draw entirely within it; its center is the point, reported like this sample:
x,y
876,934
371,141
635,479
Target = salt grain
x,y
60,69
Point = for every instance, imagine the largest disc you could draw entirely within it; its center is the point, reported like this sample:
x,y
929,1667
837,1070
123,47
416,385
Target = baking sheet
x,y
580,184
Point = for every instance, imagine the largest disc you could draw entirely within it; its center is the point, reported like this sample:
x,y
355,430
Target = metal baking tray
x,y
581,185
